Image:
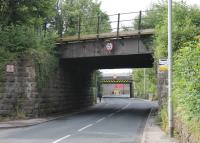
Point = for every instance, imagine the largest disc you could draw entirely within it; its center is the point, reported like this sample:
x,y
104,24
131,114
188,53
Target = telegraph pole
x,y
170,105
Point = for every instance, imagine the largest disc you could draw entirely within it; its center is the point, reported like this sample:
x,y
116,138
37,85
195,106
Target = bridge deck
x,y
107,35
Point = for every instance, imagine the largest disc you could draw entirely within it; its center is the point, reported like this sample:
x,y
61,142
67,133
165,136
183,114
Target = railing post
x,y
118,23
140,20
79,28
98,26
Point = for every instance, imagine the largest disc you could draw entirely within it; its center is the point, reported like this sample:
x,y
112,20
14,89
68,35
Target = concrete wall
x,y
69,89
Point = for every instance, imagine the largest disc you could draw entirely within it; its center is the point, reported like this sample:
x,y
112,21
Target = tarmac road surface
x,y
116,120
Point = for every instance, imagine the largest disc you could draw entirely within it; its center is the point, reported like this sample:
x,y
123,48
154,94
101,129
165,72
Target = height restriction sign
x,y
109,46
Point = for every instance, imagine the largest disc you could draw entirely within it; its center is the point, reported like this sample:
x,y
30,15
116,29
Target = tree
x,y
150,78
186,25
86,13
23,12
186,51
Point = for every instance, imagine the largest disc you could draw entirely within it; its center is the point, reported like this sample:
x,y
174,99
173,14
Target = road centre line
x,y
85,127
110,115
126,106
63,138
100,119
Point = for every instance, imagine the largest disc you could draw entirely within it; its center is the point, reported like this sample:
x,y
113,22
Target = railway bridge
x,y
72,85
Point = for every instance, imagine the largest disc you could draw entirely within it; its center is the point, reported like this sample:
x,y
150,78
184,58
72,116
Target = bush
x,y
187,85
19,41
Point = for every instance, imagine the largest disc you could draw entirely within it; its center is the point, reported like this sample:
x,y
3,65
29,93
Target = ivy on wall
x,y
22,41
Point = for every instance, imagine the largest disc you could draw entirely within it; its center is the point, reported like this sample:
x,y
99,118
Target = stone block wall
x,y
162,87
70,89
18,89
67,90
183,133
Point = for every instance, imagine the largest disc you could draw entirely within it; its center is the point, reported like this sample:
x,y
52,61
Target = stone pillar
x,y
162,87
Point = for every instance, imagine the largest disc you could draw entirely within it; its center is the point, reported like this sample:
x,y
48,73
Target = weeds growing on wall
x,y
24,42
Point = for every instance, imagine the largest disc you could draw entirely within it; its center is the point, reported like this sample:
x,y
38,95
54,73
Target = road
x,y
116,120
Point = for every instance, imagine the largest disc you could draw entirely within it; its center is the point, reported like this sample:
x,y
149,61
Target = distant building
x,y
114,88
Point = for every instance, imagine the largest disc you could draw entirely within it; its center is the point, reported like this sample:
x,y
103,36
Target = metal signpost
x,y
170,106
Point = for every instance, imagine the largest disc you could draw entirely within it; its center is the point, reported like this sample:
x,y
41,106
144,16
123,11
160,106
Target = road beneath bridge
x,y
116,120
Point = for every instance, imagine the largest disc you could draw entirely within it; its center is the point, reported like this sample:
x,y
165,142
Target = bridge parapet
x,y
106,26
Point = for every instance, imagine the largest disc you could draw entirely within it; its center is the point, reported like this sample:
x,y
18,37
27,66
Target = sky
x,y
123,6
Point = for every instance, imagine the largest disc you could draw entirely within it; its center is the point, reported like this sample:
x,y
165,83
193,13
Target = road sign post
x,y
170,105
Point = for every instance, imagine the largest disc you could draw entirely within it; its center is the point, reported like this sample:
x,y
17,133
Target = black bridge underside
x,y
111,62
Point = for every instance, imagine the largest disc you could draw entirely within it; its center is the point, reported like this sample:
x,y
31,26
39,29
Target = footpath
x,y
153,133
24,123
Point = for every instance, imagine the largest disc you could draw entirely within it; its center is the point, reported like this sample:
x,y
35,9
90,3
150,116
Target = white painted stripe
x,y
65,137
100,119
126,106
85,127
111,115
118,111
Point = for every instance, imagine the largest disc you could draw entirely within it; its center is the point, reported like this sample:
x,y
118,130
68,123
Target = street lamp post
x,y
170,105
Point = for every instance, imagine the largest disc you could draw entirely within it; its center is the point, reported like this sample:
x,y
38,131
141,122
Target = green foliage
x,y
19,41
150,81
21,35
164,118
185,25
46,59
20,12
186,87
86,12
184,28
153,17
186,83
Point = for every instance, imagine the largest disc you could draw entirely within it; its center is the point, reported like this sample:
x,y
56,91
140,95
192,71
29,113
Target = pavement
x,y
153,133
115,120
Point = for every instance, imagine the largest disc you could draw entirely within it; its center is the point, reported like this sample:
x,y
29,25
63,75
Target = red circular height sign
x,y
109,46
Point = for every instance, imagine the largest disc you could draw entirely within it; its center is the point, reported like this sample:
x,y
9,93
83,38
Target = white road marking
x,y
118,111
126,106
85,127
63,138
100,119
110,115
